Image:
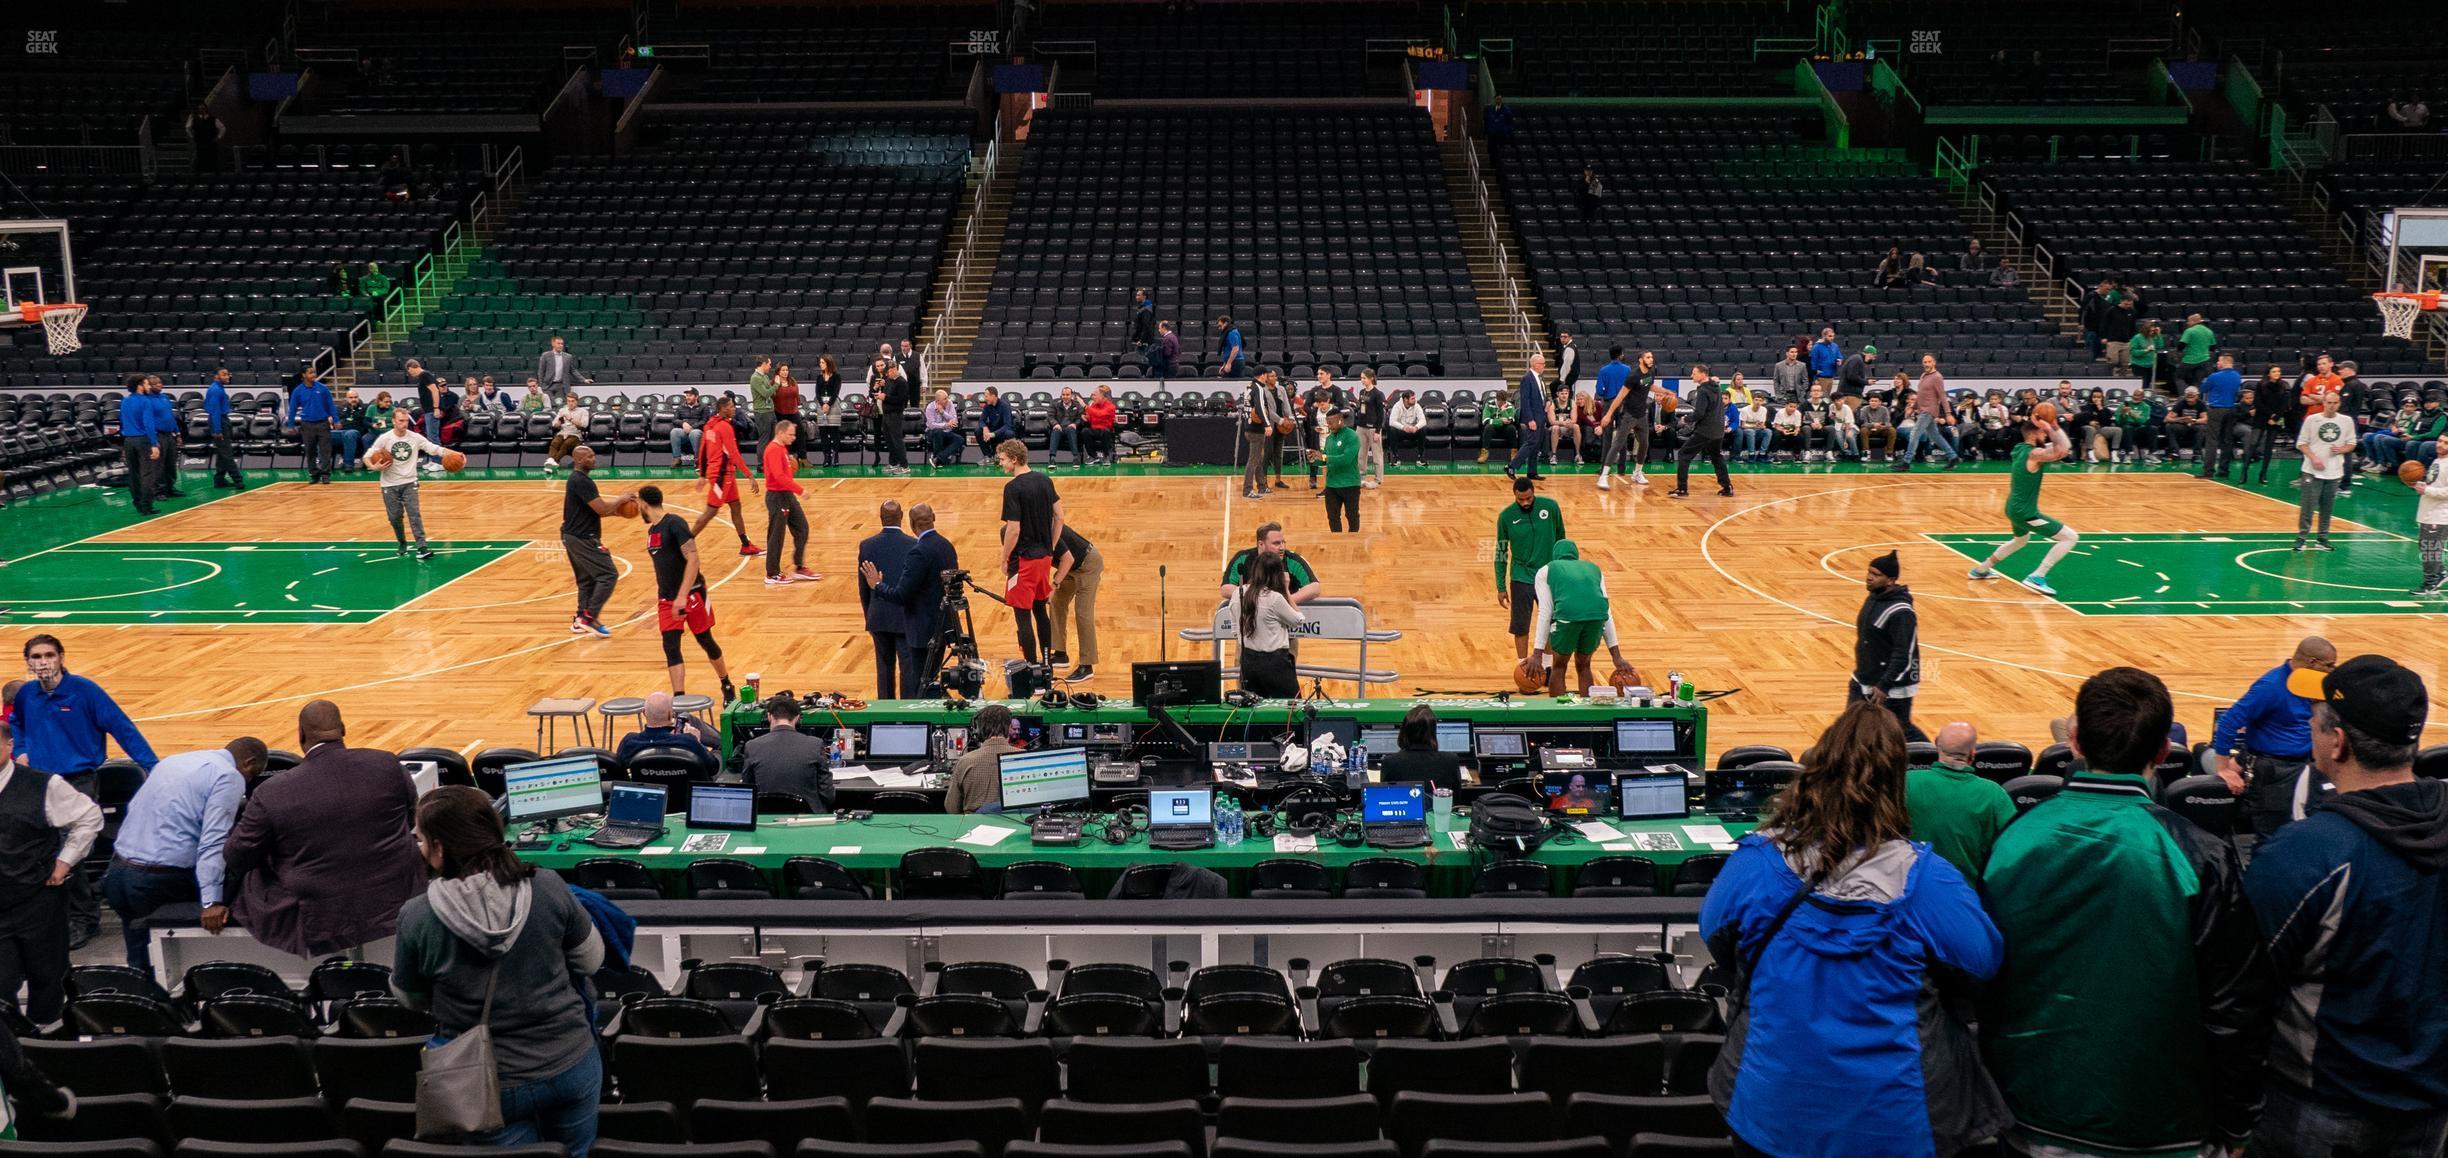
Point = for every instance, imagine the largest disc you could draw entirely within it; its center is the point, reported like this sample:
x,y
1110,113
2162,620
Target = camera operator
x,y
919,589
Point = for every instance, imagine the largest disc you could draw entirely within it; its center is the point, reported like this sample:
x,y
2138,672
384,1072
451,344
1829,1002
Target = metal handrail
x,y
1516,316
964,259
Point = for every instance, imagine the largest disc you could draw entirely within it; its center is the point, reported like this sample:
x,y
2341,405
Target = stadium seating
x,y
509,62
1237,51
766,53
1582,49
1344,253
2207,237
1724,236
807,234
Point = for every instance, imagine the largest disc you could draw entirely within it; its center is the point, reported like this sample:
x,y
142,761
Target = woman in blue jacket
x,y
1845,941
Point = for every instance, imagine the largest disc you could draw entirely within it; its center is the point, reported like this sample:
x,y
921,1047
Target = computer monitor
x,y
722,807
1405,803
545,789
1039,779
897,741
1346,732
1652,796
1577,793
1748,790
1644,737
1382,742
1174,772
1502,745
1181,808
1454,737
636,805
1177,684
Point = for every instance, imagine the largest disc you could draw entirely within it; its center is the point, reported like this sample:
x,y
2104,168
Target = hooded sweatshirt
x,y
2354,904
539,938
1844,1006
1887,644
1570,590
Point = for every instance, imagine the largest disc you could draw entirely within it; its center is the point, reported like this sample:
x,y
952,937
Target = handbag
x,y
458,1086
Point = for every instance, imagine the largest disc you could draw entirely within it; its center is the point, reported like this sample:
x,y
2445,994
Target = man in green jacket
x,y
2135,1006
1526,534
1574,617
1954,809
1341,453
761,398
2193,352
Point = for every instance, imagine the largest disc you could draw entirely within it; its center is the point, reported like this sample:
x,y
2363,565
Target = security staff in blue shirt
x,y
140,447
165,427
2219,392
169,845
2264,740
226,474
61,722
310,416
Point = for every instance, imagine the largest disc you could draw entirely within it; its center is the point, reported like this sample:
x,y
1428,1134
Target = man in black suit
x,y
324,855
787,760
887,623
919,590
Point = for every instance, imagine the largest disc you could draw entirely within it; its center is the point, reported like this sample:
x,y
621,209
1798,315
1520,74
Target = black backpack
x,y
1504,823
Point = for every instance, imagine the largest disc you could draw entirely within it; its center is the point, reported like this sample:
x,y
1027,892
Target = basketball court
x,y
224,614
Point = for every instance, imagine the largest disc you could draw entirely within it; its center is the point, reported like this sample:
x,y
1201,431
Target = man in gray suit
x,y
787,760
559,372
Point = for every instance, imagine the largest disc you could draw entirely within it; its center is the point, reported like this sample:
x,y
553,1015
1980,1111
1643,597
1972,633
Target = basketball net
x,y
60,328
2397,315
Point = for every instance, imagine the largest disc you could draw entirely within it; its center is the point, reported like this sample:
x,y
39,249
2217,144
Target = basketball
x,y
2410,473
2045,412
1624,677
1528,679
628,508
1285,425
1668,404
453,460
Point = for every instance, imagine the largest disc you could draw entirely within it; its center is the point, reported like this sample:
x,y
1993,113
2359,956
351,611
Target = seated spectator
x,y
1751,435
689,416
2003,275
456,409
2188,422
995,420
323,856
2136,426
495,941
943,438
1890,269
1785,427
374,283
1917,272
1833,897
2349,900
1974,259
349,438
2410,114
1954,809
1967,423
787,760
492,399
1407,426
1568,431
1415,758
568,431
535,400
663,728
1997,426
1101,416
1844,431
1063,427
1877,426
977,778
2160,1052
2097,419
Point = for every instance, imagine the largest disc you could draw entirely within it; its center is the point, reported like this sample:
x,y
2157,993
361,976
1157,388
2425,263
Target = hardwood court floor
x,y
2187,578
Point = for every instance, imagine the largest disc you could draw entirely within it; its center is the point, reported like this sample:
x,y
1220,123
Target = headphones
x,y
1127,821
1311,808
1242,699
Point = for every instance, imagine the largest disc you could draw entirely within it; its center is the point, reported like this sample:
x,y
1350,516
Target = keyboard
x,y
1397,835
1174,839
620,836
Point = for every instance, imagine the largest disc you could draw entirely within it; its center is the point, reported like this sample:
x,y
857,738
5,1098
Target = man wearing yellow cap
x,y
2264,740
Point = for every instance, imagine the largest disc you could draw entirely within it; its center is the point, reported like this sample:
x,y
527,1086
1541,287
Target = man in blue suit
x,y
919,591
216,423
1536,418
139,446
996,422
887,622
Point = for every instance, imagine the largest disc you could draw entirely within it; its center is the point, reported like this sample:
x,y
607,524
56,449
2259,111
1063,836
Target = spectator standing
x,y
887,621
1498,121
893,394
828,403
977,778
1588,193
1955,810
1932,417
557,369
2144,352
689,416
761,397
1790,377
1258,420
226,474
1834,897
1853,376
1167,355
2410,114
1887,645
323,855
786,760
1228,349
2263,741
1266,618
61,722
911,365
310,416
2193,348
1371,425
2117,329
166,424
2220,391
1289,434
919,589
788,404
489,926
1340,452
2350,902
1143,325
1827,356
1535,416
1079,569
2094,316
2159,1052
46,828
1568,363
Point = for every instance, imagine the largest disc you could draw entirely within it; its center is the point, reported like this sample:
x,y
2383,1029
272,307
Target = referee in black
x,y
582,511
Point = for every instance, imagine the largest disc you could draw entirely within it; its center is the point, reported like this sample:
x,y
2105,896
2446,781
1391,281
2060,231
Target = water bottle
x,y
1228,822
1358,761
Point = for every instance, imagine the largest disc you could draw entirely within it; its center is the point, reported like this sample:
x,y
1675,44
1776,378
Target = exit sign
x,y
645,52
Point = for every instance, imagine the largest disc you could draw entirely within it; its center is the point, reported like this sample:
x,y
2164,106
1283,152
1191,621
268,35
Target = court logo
x,y
41,43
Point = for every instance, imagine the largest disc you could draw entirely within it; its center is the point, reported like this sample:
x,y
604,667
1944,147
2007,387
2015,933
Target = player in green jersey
x,y
2043,443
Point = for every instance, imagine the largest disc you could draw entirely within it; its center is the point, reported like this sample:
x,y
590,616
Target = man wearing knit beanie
x,y
1887,645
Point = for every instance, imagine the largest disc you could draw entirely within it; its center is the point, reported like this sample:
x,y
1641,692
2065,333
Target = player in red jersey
x,y
680,590
718,459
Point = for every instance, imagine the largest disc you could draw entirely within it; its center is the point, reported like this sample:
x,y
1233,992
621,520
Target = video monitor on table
x,y
1586,792
1652,796
1644,737
1043,779
1177,684
897,741
722,808
1453,737
548,789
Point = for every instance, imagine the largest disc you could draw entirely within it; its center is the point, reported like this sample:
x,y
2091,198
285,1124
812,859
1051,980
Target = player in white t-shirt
x,y
2326,438
2431,522
397,455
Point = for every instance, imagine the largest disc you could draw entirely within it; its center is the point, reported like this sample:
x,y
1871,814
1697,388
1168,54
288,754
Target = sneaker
x,y
1281,485
803,575
1483,456
1678,494
1603,484
429,468
2323,545
2430,589
2300,545
1057,658
1079,673
1952,463
1639,479
596,626
424,553
777,581
1980,573
751,549
2040,584
1727,493
578,626
1370,483
730,691
403,550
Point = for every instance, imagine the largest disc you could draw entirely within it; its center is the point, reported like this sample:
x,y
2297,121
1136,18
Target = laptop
x,y
722,808
1652,795
1181,818
632,817
1394,815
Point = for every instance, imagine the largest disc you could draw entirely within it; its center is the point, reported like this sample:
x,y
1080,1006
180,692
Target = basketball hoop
x,y
2398,311
59,323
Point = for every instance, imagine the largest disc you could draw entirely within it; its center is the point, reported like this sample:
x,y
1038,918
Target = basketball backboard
x,y
37,264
